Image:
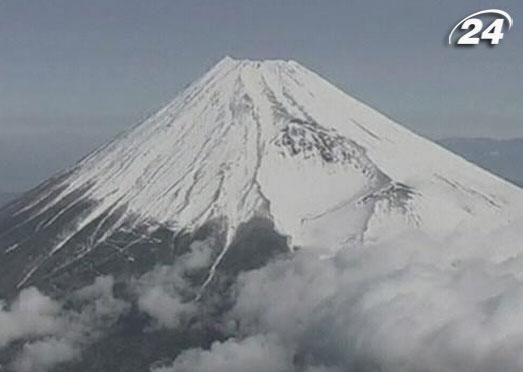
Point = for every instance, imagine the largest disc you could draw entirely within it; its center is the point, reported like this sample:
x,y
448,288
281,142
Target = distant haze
x,y
6,197
73,74
502,157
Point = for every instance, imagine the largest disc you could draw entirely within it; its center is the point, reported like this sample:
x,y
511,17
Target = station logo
x,y
487,25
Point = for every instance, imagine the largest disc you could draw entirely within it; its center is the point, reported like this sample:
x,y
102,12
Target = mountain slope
x,y
269,140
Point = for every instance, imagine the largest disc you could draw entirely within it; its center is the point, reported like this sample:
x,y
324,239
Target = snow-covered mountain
x,y
250,140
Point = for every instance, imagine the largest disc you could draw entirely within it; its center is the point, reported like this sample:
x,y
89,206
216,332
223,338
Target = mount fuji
x,y
252,146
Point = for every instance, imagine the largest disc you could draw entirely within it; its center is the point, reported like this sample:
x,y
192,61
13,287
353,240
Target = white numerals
x,y
476,31
474,25
494,32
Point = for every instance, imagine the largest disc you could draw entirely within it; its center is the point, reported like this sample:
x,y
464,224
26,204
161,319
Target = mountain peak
x,y
229,59
229,62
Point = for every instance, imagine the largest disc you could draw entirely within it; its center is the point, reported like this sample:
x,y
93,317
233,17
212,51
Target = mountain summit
x,y
250,140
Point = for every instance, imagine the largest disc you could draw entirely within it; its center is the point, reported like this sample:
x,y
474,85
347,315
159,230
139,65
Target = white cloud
x,y
167,309
31,314
259,353
166,294
57,334
44,354
199,256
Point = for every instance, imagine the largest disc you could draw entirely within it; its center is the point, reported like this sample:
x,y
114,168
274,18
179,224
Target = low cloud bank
x,y
409,305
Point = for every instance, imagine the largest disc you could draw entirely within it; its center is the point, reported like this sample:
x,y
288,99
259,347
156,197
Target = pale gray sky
x,y
74,73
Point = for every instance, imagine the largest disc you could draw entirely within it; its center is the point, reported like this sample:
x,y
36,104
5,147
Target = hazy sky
x,y
74,73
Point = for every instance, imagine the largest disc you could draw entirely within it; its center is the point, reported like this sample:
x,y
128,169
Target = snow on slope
x,y
274,139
